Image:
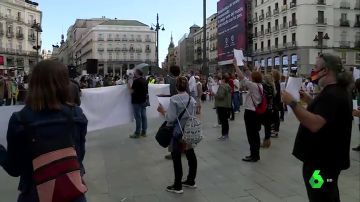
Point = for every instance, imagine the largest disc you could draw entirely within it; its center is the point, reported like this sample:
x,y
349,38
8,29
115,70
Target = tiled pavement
x,y
123,169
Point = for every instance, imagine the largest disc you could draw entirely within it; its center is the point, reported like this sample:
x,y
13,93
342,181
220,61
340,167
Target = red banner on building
x,y
1,60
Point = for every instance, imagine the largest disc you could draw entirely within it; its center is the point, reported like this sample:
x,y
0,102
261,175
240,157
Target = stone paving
x,y
124,169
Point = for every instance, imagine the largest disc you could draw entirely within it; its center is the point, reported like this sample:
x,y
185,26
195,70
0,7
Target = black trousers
x,y
223,114
282,111
267,120
253,126
276,120
329,192
192,163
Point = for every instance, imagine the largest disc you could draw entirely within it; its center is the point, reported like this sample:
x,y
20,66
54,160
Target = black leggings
x,y
223,114
253,126
192,163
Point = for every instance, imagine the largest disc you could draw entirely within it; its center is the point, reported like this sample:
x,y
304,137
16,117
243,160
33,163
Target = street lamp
x,y
205,67
38,29
157,28
320,39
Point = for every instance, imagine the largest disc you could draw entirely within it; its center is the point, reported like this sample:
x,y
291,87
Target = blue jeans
x,y
140,118
236,101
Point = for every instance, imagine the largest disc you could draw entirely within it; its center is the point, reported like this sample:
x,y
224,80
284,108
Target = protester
x,y
267,117
139,92
323,139
192,84
171,80
356,112
177,104
251,118
199,93
75,92
231,84
48,111
236,99
277,104
204,90
282,88
223,105
2,89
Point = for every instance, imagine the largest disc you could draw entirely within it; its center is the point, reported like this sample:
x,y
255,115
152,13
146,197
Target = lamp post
x,y
157,28
38,30
205,68
320,39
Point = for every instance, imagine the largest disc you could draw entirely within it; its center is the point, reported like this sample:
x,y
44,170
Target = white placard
x,y
215,88
293,87
355,104
239,56
356,73
164,101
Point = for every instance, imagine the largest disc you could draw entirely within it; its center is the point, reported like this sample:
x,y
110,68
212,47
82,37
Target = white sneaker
x,y
217,126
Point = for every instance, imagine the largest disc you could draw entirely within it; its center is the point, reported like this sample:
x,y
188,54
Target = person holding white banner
x,y
139,92
356,111
323,139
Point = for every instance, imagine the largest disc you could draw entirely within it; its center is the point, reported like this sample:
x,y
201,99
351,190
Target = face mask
x,y
315,77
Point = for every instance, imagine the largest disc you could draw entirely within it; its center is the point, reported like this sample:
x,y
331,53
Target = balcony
x,y
147,50
344,44
276,11
357,24
139,50
321,21
20,36
321,2
110,49
110,39
357,44
19,19
255,34
268,14
255,20
117,39
344,5
261,17
147,40
284,8
117,49
357,6
32,38
124,39
344,23
268,31
284,26
101,39
132,40
124,49
293,4
132,50
138,40
276,28
1,32
292,23
10,34
261,33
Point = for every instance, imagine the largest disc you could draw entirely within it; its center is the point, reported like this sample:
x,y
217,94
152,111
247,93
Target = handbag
x,y
165,133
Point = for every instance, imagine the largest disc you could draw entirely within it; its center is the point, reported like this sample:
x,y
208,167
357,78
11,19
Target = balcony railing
x,y
100,39
138,40
147,50
321,21
276,11
261,17
344,44
9,34
131,40
293,4
344,23
292,23
139,50
100,49
132,50
147,40
261,33
284,8
268,14
117,49
110,39
255,34
1,32
20,19
117,39
124,49
267,31
321,2
124,39
276,28
255,20
20,36
284,26
31,38
345,5
110,49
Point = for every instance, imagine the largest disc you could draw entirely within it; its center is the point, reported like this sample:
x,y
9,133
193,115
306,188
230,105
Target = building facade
x,y
211,45
289,34
116,44
17,37
170,59
186,49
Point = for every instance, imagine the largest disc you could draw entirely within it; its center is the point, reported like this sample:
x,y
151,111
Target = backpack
x,y
56,170
260,108
192,133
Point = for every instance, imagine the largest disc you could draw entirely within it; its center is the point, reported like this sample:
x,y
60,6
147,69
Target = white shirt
x,y
236,85
192,84
253,96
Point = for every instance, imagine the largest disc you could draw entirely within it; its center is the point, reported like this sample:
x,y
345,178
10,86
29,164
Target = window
x,y
276,42
262,45
343,16
31,19
19,47
320,36
19,16
343,36
284,2
269,9
110,36
293,37
269,44
256,30
276,23
138,56
262,28
321,18
284,20
293,17
147,47
284,39
357,58
269,26
110,56
276,6
8,12
9,29
256,46
343,57
131,56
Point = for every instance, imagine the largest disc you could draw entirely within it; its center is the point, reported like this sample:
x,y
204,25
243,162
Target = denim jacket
x,y
17,161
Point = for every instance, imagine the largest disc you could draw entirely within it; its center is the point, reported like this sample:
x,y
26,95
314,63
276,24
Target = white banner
x,y
104,107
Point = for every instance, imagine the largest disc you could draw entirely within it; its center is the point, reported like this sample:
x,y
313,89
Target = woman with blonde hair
x,y
269,91
278,105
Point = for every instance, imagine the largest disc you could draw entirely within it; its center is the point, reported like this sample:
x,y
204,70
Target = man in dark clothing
x,y
139,93
323,139
75,92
